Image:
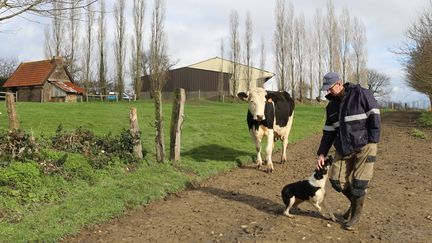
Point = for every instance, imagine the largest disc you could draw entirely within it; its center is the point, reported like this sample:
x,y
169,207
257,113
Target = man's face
x,y
336,89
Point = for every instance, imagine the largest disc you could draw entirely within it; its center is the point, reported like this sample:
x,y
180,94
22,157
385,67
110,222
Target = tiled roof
x,y
75,87
31,73
69,87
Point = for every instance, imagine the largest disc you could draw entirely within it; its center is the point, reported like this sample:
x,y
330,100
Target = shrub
x,y
18,145
100,151
81,140
426,119
418,134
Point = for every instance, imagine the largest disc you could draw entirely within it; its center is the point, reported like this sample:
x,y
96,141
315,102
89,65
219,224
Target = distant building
x,y
201,79
44,81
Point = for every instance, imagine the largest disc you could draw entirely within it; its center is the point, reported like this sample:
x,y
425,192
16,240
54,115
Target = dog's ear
x,y
318,174
328,161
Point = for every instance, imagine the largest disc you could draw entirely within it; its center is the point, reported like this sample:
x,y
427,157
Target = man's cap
x,y
329,79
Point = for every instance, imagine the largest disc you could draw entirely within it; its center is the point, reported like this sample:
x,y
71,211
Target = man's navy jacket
x,y
351,122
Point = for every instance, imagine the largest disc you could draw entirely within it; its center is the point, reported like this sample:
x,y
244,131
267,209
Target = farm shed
x,y
44,81
202,79
196,82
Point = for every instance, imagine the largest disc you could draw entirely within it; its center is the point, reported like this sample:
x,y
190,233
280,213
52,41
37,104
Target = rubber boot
x,y
356,209
348,194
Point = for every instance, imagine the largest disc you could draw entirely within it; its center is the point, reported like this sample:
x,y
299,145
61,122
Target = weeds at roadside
x,y
418,134
426,119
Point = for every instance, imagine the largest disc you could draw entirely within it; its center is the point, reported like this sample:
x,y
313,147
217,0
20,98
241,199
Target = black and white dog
x,y
311,190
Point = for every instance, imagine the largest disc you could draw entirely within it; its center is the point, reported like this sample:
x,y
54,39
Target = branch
x,y
17,13
39,7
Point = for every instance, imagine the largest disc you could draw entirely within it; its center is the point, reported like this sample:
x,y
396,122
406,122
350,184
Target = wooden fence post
x,y
134,128
13,119
177,118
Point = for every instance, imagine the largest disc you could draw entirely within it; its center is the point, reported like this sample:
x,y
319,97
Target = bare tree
x,y
88,45
120,45
281,45
310,58
13,8
359,49
102,52
138,55
71,53
7,67
248,51
290,47
159,65
48,52
221,73
378,83
54,37
417,54
299,46
331,36
318,29
345,31
235,51
262,63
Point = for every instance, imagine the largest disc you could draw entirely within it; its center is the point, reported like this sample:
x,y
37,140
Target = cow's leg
x,y
284,150
269,151
285,138
257,140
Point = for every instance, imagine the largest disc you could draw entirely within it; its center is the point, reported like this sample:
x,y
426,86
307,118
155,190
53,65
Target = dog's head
x,y
319,173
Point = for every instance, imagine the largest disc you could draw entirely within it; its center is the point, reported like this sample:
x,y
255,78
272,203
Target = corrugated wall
x,y
190,79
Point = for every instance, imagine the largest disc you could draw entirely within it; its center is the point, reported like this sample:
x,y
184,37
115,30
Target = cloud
x,y
194,29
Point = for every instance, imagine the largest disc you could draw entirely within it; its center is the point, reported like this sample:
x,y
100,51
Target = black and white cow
x,y
270,114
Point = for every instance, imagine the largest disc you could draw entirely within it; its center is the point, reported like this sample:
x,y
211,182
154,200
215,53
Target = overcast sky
x,y
195,28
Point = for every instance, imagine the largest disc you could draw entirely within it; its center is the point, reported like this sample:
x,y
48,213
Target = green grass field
x,y
215,138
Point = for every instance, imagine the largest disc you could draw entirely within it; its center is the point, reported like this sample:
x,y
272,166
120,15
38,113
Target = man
x,y
353,127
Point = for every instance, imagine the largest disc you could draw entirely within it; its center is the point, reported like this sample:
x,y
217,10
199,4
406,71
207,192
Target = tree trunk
x,y
13,119
159,139
430,102
292,82
135,131
176,124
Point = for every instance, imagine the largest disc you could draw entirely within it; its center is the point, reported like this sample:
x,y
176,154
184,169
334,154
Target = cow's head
x,y
257,100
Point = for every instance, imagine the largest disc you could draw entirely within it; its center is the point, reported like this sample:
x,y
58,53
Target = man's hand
x,y
320,161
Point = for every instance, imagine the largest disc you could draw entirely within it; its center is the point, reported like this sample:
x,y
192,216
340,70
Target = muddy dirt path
x,y
244,205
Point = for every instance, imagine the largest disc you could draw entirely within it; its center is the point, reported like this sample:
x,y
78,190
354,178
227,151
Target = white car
x,y
126,97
